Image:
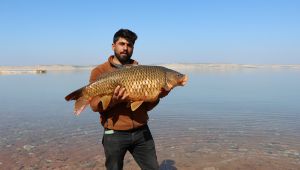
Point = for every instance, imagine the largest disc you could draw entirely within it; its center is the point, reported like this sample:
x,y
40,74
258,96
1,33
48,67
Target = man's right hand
x,y
119,95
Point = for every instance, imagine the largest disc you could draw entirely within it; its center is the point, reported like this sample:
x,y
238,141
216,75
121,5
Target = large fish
x,y
142,83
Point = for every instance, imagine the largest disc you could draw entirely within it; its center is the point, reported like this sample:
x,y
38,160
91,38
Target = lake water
x,y
234,119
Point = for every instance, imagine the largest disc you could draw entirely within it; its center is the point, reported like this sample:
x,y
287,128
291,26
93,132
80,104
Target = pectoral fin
x,y
105,101
167,87
135,105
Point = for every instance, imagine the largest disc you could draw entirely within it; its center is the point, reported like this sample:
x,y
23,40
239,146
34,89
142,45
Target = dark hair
x,y
125,33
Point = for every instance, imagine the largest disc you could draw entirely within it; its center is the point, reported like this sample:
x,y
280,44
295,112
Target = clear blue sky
x,y
217,31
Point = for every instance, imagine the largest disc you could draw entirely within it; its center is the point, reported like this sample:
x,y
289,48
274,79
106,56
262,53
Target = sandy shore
x,y
11,70
83,150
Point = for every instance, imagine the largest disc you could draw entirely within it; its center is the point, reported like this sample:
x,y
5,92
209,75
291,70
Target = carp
x,y
143,83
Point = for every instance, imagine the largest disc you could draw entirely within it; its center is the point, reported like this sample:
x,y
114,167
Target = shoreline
x,y
41,69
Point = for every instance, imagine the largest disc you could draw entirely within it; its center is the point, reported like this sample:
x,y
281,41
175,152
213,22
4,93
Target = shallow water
x,y
245,119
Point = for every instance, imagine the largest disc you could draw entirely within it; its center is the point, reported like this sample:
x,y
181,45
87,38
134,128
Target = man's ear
x,y
113,46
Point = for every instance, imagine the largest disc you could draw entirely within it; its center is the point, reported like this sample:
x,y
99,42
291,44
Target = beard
x,y
123,58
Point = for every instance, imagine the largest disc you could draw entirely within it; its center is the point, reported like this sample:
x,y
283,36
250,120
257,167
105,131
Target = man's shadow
x,y
167,165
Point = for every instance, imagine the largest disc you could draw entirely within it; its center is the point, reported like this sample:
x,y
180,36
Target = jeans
x,y
138,142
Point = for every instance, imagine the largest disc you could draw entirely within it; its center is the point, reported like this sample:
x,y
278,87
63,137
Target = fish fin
x,y
105,101
167,87
74,95
135,105
80,105
130,65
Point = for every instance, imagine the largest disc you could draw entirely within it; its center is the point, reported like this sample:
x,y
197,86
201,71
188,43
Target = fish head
x,y
175,78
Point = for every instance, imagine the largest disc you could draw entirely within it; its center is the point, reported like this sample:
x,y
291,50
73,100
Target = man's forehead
x,y
123,40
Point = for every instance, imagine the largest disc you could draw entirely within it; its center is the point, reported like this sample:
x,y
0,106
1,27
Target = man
x,y
124,130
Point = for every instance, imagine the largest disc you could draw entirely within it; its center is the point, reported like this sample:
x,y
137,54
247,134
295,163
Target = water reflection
x,y
225,120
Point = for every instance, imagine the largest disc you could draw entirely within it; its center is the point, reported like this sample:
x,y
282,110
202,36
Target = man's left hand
x,y
163,93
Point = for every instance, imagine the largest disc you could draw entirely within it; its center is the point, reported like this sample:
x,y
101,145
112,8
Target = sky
x,y
79,32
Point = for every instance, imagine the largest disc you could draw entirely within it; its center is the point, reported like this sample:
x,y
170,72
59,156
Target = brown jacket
x,y
120,117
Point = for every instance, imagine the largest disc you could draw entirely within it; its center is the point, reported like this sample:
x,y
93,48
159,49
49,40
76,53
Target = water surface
x,y
243,119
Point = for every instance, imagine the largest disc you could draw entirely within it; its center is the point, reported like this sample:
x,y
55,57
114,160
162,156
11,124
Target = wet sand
x,y
190,154
186,147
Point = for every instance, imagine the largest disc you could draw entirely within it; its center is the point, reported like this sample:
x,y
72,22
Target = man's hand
x,y
163,93
151,105
120,95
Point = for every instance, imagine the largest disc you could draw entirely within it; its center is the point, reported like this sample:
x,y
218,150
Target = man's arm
x,y
96,105
151,105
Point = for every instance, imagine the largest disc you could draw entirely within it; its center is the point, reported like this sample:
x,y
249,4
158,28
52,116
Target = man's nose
x,y
125,47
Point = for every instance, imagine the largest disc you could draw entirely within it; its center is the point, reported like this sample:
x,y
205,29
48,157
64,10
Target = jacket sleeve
x,y
95,73
150,105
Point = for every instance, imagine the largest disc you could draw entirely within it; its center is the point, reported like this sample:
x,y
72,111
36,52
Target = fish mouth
x,y
184,80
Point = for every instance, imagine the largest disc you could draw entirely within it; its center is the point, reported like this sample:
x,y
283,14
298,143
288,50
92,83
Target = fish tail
x,y
81,101
80,105
74,95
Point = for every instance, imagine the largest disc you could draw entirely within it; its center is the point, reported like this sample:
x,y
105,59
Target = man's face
x,y
123,50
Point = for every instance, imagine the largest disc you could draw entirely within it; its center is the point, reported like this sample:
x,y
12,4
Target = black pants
x,y
138,142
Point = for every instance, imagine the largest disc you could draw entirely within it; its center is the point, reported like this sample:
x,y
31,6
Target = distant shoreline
x,y
40,69
218,66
